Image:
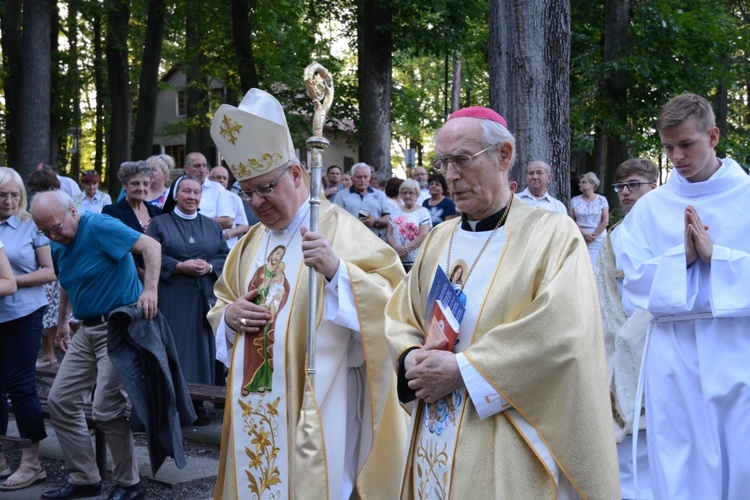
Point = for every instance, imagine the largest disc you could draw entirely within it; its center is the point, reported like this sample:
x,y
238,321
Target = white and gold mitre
x,y
253,138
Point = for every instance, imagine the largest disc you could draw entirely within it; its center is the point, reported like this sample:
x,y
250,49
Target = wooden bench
x,y
211,393
198,392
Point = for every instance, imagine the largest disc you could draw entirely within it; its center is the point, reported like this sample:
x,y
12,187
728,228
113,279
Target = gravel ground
x,y
57,473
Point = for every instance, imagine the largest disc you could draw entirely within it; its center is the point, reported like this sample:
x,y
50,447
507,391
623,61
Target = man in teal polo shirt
x,y
93,262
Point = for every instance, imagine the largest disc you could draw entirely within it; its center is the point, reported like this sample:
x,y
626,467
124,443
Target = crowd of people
x,y
588,361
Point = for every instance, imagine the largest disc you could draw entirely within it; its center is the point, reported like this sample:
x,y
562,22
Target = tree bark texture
x,y
196,134
721,106
529,57
10,22
116,49
57,100
616,22
376,45
243,43
456,92
35,85
145,121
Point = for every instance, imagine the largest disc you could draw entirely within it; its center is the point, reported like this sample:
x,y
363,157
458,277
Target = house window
x,y
181,103
177,152
348,163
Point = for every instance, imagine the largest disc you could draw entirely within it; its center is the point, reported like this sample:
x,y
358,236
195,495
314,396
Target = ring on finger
x,y
243,322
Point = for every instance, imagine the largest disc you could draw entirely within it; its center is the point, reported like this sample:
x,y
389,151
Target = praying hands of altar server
x,y
287,433
519,406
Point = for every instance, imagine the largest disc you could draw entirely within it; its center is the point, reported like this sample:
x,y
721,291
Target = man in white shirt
x,y
538,177
240,225
215,201
419,174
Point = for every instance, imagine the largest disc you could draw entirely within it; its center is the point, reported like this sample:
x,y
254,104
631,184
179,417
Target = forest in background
x,y
80,77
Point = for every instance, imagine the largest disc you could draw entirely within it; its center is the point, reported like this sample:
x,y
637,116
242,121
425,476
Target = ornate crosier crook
x,y
319,85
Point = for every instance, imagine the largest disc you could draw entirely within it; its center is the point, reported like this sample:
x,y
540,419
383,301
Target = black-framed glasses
x,y
460,162
261,191
53,229
632,185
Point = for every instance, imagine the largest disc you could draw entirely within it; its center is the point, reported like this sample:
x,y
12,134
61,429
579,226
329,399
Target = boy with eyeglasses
x,y
686,259
624,329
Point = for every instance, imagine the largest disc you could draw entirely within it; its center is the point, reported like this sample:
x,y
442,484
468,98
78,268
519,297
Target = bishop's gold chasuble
x,y
532,333
284,437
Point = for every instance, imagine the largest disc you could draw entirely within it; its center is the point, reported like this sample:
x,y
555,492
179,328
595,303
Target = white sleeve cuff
x,y
224,341
340,306
485,398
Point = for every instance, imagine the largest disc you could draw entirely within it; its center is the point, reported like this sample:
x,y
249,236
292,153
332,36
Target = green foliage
x,y
673,47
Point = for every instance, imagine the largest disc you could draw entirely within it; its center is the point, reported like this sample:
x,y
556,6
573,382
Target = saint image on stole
x,y
273,291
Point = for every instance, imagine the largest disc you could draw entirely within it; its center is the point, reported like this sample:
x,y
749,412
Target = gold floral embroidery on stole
x,y
261,424
429,456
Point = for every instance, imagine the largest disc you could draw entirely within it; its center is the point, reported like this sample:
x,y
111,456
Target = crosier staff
x,y
319,85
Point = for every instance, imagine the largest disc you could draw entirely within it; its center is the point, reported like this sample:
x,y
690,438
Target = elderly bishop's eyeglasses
x,y
460,162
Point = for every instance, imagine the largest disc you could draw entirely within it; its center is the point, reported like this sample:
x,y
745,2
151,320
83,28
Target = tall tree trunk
x,y
721,106
196,88
143,136
58,88
376,45
116,47
75,98
101,96
35,85
10,21
616,21
529,81
243,43
456,93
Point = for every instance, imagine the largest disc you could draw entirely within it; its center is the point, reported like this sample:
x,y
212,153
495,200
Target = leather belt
x,y
96,321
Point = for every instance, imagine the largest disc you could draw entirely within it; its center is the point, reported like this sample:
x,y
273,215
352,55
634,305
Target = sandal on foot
x,y
44,363
4,469
34,474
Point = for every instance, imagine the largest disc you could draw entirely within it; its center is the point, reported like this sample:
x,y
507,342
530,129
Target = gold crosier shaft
x,y
319,85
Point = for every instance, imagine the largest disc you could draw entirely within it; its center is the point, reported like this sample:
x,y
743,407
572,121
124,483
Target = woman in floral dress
x,y
591,213
409,225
